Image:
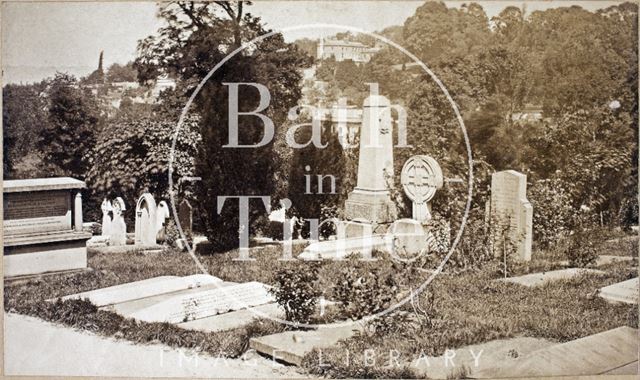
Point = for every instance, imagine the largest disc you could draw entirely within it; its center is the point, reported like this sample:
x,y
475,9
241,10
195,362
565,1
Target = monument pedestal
x,y
370,206
42,226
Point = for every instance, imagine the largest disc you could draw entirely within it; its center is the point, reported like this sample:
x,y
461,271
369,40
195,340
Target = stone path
x,y
538,279
37,348
613,351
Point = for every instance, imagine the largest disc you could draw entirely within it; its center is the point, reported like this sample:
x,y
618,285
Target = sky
x,y
40,38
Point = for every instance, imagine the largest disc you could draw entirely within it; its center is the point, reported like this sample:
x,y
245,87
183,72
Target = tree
x,y
311,162
198,36
73,120
24,113
122,73
131,156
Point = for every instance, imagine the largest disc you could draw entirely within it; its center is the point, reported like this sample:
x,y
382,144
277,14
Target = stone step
x,y
292,346
592,355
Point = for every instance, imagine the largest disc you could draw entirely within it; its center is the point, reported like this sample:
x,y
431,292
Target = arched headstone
x,y
118,226
162,214
146,220
106,208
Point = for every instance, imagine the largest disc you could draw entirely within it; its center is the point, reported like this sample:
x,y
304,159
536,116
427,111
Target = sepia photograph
x,y
320,189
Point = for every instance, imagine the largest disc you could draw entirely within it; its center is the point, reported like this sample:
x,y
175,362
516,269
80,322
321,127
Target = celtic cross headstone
x,y
421,177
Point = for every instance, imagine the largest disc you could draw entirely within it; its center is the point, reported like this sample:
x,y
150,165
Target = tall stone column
x,y
370,201
77,209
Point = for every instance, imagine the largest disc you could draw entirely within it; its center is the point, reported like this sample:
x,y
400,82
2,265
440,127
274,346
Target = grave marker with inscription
x,y
188,307
42,225
511,214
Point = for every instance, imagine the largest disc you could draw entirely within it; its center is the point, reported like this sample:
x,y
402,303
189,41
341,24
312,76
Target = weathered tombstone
x,y
409,238
106,218
145,220
118,227
162,214
370,200
42,226
185,216
187,307
421,177
511,214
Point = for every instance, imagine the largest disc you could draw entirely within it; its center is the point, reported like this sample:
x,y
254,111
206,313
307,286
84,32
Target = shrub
x,y
553,214
296,291
363,291
275,230
581,250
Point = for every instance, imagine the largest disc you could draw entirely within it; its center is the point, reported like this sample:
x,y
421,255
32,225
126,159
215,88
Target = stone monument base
x,y
341,248
409,237
48,252
372,206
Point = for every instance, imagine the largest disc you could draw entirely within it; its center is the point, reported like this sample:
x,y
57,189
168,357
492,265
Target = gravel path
x,y
37,348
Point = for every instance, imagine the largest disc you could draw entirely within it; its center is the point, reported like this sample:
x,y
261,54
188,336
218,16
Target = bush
x,y
581,250
275,230
297,292
553,214
364,291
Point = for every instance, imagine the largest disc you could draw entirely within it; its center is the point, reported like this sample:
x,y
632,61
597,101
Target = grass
x,y
466,307
472,308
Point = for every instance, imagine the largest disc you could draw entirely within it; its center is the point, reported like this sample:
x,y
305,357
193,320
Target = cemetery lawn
x,y
465,308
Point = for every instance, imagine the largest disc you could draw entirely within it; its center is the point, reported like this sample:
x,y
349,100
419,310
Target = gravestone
x,y
409,238
118,226
370,200
421,177
292,346
185,216
144,289
106,218
188,307
42,226
624,292
511,214
162,214
145,233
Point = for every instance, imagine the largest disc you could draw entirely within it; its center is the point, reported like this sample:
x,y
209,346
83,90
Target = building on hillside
x,y
343,50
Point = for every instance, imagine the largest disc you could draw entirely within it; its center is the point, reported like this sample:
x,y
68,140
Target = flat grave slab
x,y
538,279
184,307
626,292
341,248
591,355
143,289
477,357
128,308
608,259
292,346
126,248
234,319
